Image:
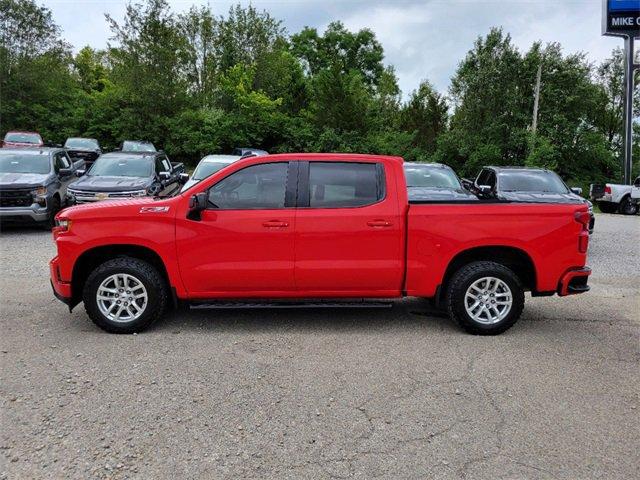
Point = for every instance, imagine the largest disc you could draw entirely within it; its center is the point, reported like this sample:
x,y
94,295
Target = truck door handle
x,y
379,223
275,224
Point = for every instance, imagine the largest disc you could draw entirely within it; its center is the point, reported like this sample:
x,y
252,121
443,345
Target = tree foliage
x,y
196,83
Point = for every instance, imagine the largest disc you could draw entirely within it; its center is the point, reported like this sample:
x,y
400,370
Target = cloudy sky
x,y
423,39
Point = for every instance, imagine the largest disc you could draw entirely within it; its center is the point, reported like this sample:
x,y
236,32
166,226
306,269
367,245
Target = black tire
x,y
464,278
50,222
606,207
627,207
154,283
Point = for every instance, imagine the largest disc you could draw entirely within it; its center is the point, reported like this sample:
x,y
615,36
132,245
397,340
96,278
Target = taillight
x,y
583,218
607,189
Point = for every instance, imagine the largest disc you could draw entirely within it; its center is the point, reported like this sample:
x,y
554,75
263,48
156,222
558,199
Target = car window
x,y
161,165
122,166
256,187
483,177
343,184
24,163
166,163
429,176
531,181
22,137
62,161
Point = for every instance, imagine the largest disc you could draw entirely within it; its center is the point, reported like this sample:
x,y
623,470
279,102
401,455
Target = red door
x,y
243,245
348,231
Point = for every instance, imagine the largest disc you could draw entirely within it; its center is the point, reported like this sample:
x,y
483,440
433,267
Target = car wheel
x,y
50,222
485,298
627,207
608,207
125,295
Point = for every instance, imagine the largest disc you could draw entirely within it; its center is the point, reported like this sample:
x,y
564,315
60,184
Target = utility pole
x,y
627,112
536,102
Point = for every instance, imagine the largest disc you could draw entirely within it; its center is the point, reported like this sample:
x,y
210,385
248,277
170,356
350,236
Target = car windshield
x,y
429,176
17,163
131,146
531,181
206,169
20,137
88,143
122,167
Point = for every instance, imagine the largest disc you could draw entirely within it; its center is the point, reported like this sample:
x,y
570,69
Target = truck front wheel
x,y
485,298
125,295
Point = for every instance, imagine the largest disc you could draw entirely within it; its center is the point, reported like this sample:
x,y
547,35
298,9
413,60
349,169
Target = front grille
x,y
16,198
83,197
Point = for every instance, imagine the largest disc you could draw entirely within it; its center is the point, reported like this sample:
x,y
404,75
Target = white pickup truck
x,y
615,198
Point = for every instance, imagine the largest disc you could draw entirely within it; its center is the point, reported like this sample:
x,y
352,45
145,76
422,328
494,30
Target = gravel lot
x,y
392,393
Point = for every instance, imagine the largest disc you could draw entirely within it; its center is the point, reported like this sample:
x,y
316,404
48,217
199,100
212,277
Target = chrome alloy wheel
x,y
488,300
122,298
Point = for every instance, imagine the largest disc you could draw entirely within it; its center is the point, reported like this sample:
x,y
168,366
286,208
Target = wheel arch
x,y
512,257
93,257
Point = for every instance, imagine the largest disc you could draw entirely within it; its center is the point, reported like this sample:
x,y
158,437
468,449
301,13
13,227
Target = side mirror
x,y
80,172
65,172
576,190
164,175
197,203
183,178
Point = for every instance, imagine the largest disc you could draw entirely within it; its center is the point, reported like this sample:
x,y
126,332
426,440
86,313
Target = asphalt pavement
x,y
398,393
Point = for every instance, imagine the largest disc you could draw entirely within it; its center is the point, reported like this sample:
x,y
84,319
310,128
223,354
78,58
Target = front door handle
x,y
379,223
275,224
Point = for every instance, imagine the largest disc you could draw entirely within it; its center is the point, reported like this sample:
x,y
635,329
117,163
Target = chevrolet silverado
x,y
315,229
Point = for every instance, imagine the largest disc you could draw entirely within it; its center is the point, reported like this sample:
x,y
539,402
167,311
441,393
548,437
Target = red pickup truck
x,y
315,228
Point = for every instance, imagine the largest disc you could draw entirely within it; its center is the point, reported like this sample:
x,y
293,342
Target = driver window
x,y
160,165
257,187
62,161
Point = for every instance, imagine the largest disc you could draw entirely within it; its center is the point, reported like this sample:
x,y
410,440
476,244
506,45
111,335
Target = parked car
x,y
136,146
120,175
315,226
635,191
613,198
531,185
208,166
242,152
17,138
434,182
87,149
33,183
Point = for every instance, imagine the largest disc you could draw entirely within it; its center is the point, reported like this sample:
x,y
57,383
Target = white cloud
x,y
423,39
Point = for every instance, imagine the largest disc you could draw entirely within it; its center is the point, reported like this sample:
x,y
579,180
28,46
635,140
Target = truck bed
x,y
546,233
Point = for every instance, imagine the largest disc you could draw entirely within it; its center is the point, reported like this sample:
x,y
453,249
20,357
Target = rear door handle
x,y
379,223
275,224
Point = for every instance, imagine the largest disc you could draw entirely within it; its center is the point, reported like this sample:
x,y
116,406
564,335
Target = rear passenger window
x,y
336,185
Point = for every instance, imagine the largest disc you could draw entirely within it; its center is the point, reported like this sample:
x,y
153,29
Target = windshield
x,y
19,137
122,167
531,181
88,143
431,177
17,163
206,169
131,146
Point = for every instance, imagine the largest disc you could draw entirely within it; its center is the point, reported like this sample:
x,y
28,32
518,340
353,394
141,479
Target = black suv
x,y
87,149
529,185
118,175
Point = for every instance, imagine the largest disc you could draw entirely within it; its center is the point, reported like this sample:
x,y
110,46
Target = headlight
x,y
40,196
40,191
63,224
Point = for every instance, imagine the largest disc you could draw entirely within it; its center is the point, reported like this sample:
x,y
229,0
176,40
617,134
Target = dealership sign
x,y
621,17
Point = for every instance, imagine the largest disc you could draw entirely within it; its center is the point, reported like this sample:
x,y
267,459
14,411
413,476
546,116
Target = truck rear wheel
x,y
627,207
485,298
125,295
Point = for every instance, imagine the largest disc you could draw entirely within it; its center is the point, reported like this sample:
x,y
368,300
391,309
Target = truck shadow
x,y
409,314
